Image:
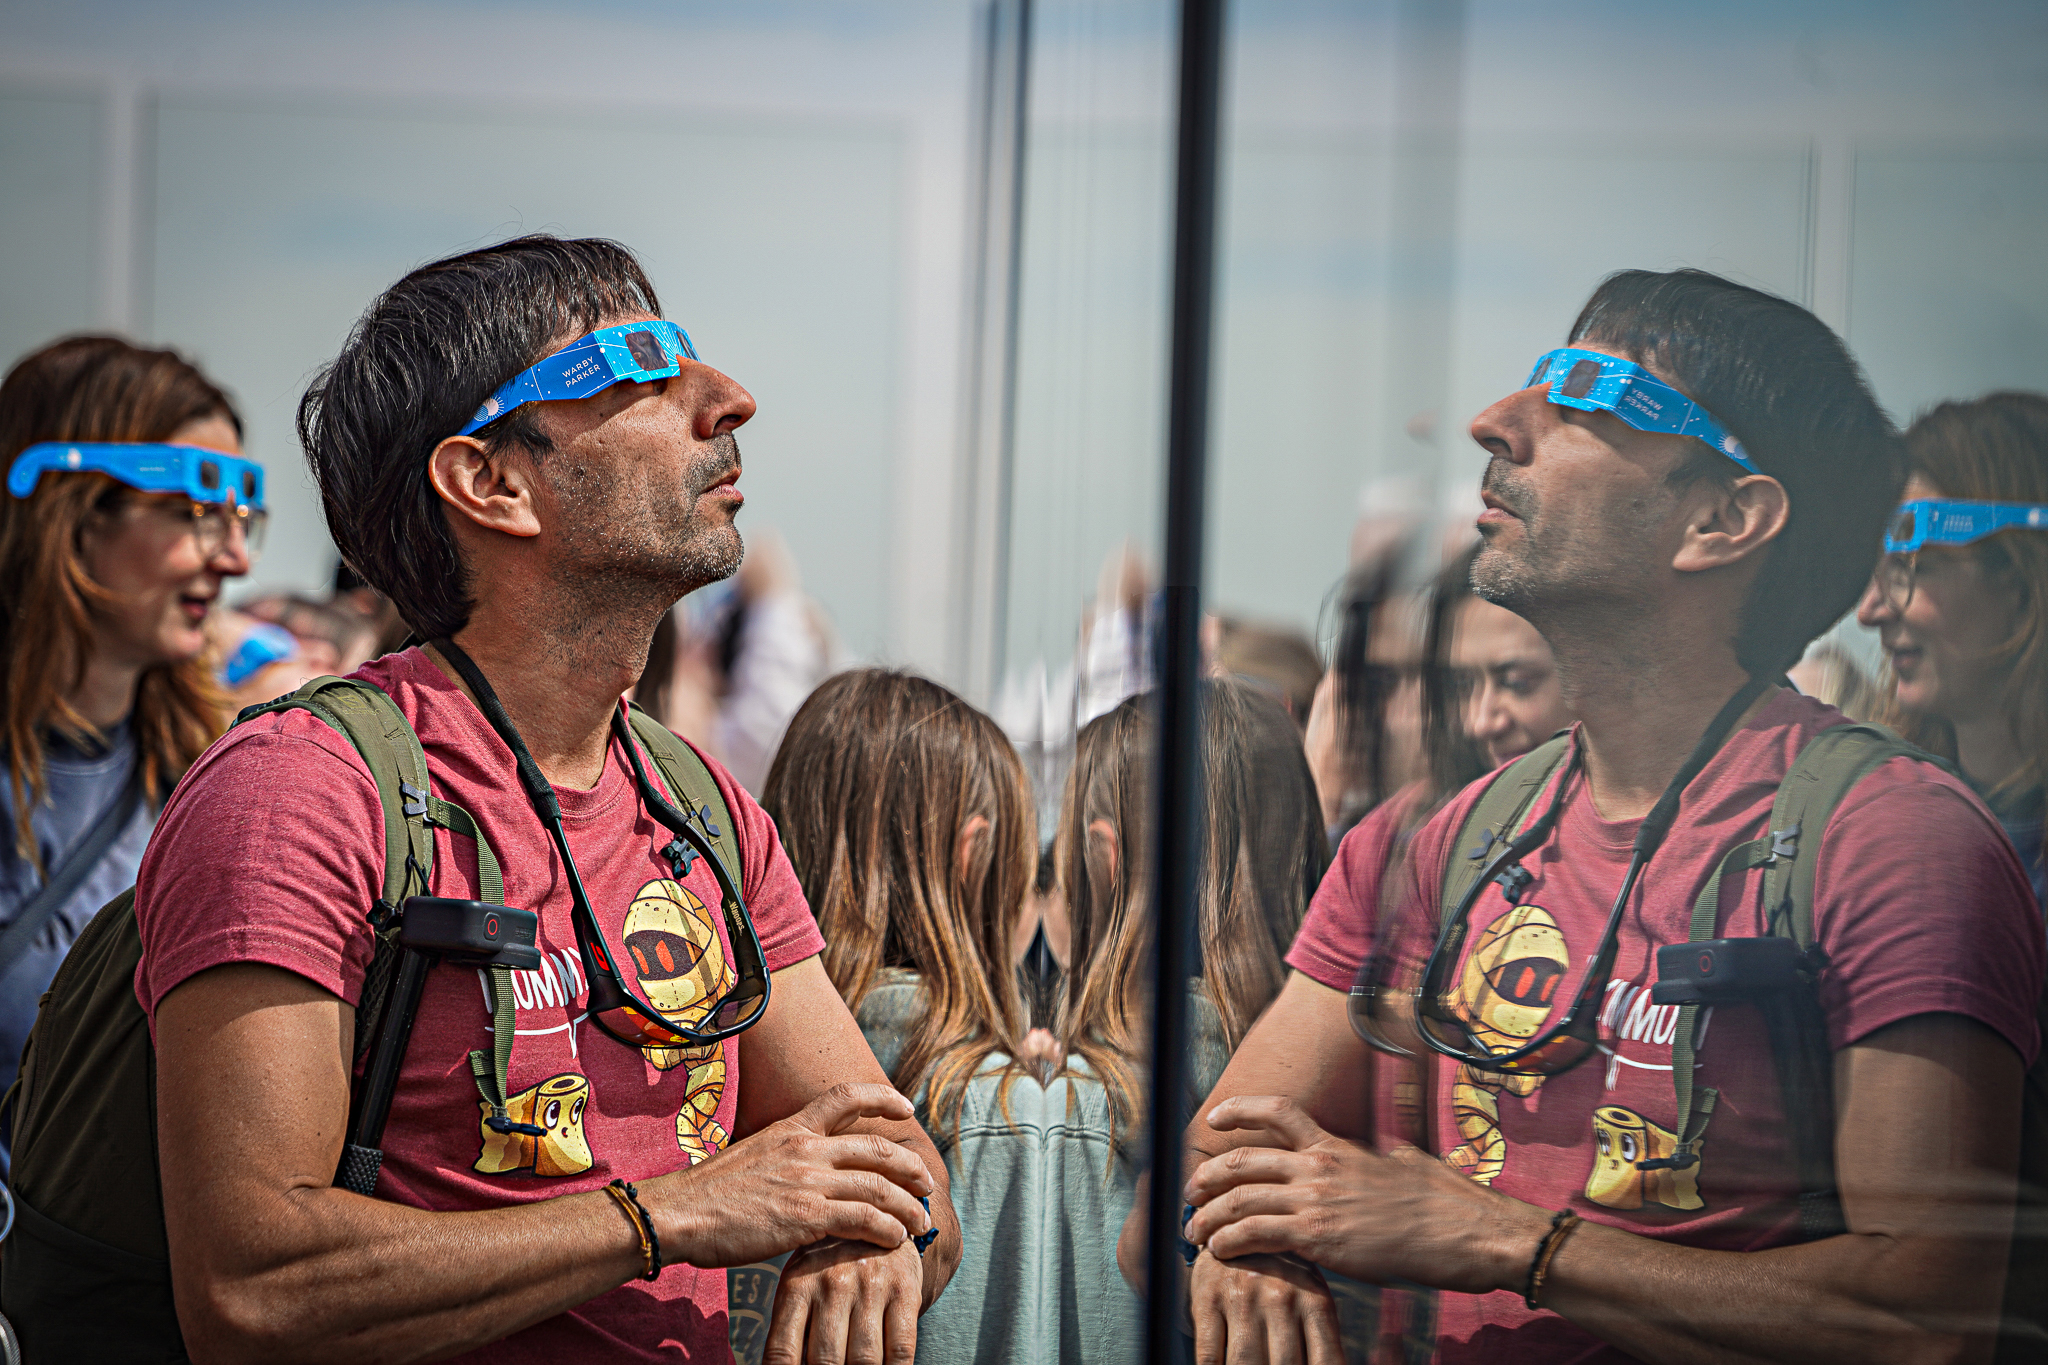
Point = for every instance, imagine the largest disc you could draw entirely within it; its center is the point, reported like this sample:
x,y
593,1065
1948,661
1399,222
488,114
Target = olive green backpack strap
x,y
491,1069
1501,811
691,783
1827,769
1832,763
378,730
372,722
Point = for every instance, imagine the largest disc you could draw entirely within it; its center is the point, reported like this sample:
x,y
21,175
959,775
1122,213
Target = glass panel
x,y
50,163
1419,198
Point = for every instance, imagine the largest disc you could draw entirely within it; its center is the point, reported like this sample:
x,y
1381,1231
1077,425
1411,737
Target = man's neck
x,y
560,687
1643,706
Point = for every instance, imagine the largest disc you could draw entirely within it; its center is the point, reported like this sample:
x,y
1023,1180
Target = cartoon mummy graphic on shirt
x,y
673,945
1504,996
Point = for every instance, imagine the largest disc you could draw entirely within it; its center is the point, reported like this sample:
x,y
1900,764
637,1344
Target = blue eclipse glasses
x,y
150,467
632,351
1956,521
1592,382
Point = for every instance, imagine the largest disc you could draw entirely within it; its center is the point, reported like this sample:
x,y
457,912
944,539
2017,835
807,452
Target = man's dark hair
x,y
1786,387
416,367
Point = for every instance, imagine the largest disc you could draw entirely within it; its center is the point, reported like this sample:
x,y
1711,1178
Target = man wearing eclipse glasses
x,y
534,467
1619,1169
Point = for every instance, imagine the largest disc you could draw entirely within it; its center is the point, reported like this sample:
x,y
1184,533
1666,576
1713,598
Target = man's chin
x,y
717,556
1496,576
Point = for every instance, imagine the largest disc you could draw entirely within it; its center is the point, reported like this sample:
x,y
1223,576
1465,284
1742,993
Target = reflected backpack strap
x,y
1828,768
1500,811
1696,1105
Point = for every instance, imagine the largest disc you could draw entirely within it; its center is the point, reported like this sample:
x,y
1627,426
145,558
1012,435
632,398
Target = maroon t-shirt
x,y
1919,904
1335,936
272,850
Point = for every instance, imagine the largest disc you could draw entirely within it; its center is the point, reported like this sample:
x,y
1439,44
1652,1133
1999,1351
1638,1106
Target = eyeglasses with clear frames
x,y
1896,577
214,525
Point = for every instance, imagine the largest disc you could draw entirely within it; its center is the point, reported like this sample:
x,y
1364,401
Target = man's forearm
x,y
1859,1296
341,1277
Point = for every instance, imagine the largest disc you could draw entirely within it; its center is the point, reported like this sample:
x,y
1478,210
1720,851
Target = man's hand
x,y
1281,1310
855,1299
1403,1215
846,1301
799,1180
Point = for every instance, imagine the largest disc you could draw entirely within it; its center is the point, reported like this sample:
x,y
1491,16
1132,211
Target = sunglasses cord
x,y
1650,834
604,994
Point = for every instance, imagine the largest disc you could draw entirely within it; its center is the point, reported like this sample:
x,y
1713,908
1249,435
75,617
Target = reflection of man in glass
x,y
647,352
1668,580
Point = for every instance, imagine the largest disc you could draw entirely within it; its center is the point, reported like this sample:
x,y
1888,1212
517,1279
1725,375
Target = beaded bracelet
x,y
1561,1224
628,1200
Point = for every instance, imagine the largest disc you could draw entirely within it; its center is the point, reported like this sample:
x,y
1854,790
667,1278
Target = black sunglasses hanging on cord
x,y
615,1006
1570,1041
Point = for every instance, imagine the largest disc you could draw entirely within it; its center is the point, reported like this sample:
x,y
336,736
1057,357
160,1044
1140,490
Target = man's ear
x,y
1725,525
495,492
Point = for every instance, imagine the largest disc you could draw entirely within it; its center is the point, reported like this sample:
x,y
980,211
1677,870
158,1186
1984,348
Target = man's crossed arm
x,y
271,1261
1927,1144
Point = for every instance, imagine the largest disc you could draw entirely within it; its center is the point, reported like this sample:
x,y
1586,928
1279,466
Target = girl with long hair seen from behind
x,y
909,820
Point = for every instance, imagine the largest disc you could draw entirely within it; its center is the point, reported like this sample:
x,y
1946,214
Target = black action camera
x,y
471,933
1717,970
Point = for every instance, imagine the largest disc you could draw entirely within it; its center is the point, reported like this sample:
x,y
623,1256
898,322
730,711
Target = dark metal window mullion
x,y
1177,781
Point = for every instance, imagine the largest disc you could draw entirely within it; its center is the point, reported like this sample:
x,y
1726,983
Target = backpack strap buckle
x,y
500,1122
1682,1156
681,857
1513,880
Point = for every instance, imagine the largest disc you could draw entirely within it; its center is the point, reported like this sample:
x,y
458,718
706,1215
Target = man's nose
x,y
726,407
1503,430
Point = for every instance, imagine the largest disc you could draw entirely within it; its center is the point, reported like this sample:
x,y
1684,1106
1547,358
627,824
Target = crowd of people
x,y
1595,960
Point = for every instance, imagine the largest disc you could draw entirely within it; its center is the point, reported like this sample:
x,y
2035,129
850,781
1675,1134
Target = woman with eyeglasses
x,y
1960,603
112,555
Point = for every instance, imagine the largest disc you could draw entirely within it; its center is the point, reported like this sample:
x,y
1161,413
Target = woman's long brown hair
x,y
1995,449
87,388
878,778
1264,853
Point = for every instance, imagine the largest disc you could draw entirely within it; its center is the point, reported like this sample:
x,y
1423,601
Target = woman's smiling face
x,y
1944,645
144,552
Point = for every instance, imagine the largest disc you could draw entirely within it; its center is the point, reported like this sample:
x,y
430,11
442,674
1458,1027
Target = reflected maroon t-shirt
x,y
1920,905
271,850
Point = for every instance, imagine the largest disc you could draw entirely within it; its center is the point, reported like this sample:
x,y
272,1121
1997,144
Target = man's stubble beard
x,y
617,553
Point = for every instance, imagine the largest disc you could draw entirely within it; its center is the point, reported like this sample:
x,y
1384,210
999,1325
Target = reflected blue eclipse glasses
x,y
151,467
632,351
1592,382
1956,521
